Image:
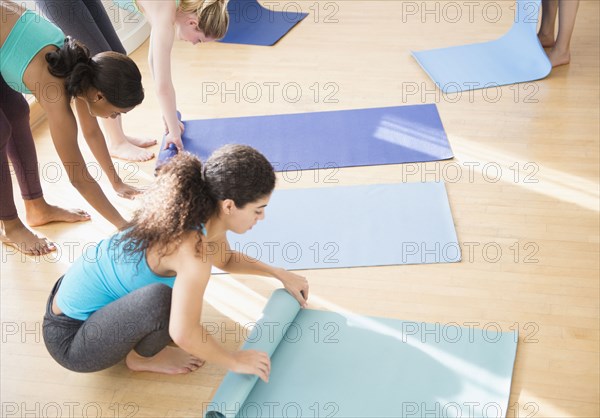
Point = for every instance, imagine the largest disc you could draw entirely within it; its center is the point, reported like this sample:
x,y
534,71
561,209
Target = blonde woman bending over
x,y
195,21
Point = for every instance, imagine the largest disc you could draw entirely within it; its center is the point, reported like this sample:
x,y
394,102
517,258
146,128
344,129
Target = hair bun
x,y
72,62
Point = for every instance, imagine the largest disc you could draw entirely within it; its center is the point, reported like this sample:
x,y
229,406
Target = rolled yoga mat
x,y
347,365
516,57
252,24
334,139
353,226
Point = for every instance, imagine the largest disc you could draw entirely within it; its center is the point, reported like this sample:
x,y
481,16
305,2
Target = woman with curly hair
x,y
133,293
36,58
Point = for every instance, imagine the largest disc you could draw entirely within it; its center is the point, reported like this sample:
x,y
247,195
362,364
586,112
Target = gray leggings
x,y
138,321
84,20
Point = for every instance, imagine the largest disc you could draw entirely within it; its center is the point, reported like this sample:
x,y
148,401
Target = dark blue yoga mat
x,y
345,138
252,24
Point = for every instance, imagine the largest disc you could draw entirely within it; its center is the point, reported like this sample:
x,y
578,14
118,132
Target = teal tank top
x,y
29,36
103,274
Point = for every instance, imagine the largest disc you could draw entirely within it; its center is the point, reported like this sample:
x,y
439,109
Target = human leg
x,y
75,20
136,325
88,22
16,143
100,17
114,127
548,24
123,146
12,231
560,53
21,151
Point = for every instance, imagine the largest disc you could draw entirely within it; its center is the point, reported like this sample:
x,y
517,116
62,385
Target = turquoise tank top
x,y
103,274
29,36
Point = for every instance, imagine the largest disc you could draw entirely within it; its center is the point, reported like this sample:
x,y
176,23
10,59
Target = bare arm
x,y
193,272
95,139
238,263
63,129
162,17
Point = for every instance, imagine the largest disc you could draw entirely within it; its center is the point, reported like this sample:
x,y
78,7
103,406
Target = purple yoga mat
x,y
252,24
345,138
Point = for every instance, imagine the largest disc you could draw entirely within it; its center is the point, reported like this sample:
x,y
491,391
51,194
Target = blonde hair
x,y
213,18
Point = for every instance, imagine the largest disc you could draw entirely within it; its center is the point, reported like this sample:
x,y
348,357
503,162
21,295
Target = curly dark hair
x,y
186,194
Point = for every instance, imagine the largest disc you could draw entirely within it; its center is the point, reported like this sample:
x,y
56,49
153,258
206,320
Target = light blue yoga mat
x,y
352,226
516,57
342,365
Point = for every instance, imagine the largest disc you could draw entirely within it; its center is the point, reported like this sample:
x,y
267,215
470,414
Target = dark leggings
x,y
84,20
138,321
16,143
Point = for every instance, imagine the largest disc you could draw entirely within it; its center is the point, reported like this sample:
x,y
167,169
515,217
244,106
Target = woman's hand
x,y
126,191
252,362
176,138
296,285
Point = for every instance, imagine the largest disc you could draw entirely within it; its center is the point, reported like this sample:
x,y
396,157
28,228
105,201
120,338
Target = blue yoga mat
x,y
252,24
353,226
516,57
346,365
344,138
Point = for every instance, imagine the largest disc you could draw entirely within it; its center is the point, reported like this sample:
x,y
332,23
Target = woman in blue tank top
x,y
127,298
36,58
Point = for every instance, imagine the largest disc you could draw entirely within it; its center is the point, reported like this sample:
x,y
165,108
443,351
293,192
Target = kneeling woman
x,y
136,291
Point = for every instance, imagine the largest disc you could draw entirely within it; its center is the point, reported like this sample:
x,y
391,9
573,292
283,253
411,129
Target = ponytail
x,y
73,63
115,75
213,18
186,195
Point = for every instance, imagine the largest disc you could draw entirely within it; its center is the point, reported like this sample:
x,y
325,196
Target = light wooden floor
x,y
537,200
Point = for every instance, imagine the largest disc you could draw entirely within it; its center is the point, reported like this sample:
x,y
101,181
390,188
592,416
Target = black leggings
x,y
138,321
84,20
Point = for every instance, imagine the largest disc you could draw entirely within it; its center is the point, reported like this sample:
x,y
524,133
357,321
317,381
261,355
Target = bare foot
x,y
141,142
558,58
547,41
126,151
170,360
39,212
14,234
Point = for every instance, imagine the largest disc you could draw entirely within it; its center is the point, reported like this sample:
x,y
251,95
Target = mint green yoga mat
x,y
328,364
